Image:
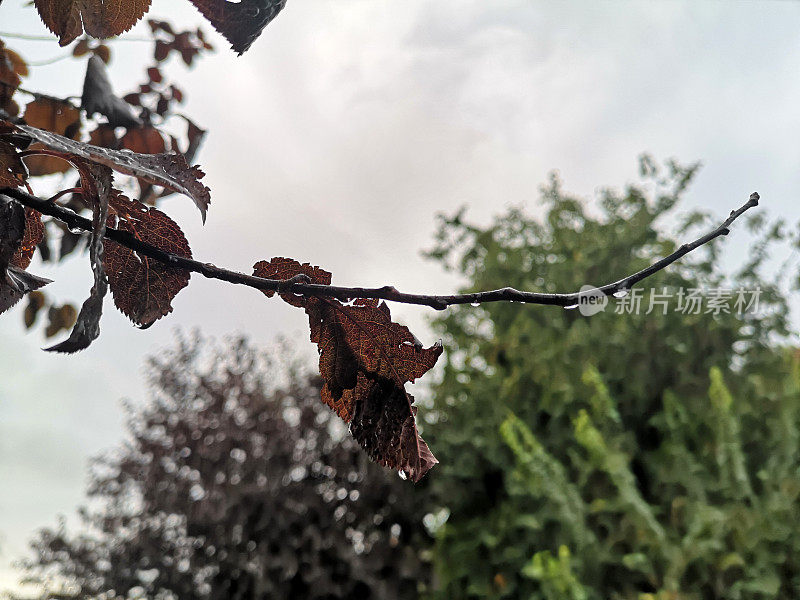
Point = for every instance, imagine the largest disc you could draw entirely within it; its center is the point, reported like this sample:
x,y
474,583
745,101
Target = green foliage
x,y
637,456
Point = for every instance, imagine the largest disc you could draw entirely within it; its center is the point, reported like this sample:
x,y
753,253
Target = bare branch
x,y
298,286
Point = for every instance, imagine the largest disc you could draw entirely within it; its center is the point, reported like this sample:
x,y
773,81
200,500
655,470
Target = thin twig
x,y
299,285
50,38
48,61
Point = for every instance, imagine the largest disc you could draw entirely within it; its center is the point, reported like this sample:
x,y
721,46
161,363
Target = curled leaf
x,y
240,22
15,282
96,186
98,97
365,361
168,170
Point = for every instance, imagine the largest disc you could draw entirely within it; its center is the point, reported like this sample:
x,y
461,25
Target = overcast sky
x,y
351,123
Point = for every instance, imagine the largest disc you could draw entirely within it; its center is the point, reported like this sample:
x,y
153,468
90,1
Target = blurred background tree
x,y
236,483
634,456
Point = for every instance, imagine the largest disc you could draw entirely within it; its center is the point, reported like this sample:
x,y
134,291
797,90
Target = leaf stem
x,y
438,302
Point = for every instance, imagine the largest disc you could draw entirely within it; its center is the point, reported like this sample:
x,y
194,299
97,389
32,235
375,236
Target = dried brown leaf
x,y
55,116
14,281
60,318
143,140
242,22
34,231
12,68
286,268
95,187
36,301
365,361
143,288
104,137
12,170
100,18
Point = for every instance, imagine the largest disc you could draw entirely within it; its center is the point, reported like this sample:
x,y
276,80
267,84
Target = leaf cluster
x,y
365,358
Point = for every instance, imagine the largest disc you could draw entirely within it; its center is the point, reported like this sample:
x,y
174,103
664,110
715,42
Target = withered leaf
x,y
168,170
34,231
12,68
103,52
143,288
104,136
365,361
96,188
98,97
100,18
195,135
51,114
242,22
12,169
143,140
14,281
60,318
381,413
81,48
36,301
286,268
58,117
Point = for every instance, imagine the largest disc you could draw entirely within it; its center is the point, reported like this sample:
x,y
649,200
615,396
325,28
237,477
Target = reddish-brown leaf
x,y
60,318
103,52
365,361
154,74
34,232
18,65
14,281
161,51
156,26
100,18
56,116
144,140
12,170
81,48
143,288
96,188
386,429
36,301
241,23
8,74
12,68
104,136
133,99
286,268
